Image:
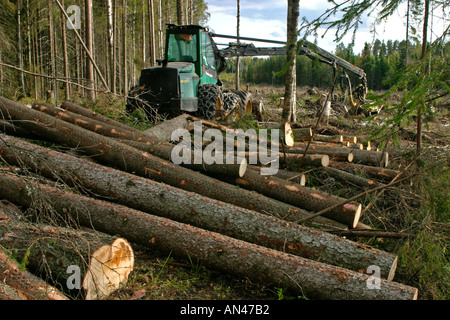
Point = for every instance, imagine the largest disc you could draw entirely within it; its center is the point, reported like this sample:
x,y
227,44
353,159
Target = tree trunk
x,y
424,51
111,41
289,108
18,284
308,160
151,33
66,57
180,12
325,138
251,227
90,48
124,49
296,177
104,261
19,49
238,25
302,197
52,87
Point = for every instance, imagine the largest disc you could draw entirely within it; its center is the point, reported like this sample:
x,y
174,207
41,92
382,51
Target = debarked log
x,y
103,262
145,228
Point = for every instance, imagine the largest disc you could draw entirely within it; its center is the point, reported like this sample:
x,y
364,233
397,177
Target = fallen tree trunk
x,y
75,108
163,131
19,284
334,153
378,172
351,178
307,160
294,194
369,157
96,126
132,160
11,129
104,262
326,138
146,229
296,177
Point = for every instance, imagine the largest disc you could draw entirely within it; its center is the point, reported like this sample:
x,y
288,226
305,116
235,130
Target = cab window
x,y
208,52
182,47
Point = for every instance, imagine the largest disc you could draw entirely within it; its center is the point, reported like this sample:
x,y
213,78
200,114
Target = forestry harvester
x,y
187,79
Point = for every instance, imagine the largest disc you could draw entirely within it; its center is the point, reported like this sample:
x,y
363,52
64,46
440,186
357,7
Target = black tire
x,y
245,100
231,101
210,100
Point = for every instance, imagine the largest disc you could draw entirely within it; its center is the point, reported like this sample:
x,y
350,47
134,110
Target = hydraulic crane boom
x,y
306,48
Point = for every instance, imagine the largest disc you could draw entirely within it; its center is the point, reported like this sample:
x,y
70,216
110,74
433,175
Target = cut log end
x,y
243,167
325,161
109,267
288,135
355,210
350,157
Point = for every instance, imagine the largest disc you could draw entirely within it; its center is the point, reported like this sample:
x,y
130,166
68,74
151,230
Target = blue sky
x,y
267,19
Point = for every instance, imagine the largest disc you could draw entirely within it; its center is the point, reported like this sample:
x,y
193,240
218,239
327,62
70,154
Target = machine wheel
x,y
210,100
245,101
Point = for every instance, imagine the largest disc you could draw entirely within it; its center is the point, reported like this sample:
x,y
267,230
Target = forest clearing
x,y
102,195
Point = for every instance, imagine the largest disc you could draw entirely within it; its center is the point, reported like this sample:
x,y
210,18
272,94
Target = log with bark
x,y
11,129
297,195
104,262
306,160
165,234
132,160
222,167
372,171
207,214
334,153
351,178
371,157
96,126
273,187
19,284
75,108
134,191
292,176
163,132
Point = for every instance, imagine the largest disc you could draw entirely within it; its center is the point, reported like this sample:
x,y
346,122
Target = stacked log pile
x,y
122,187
